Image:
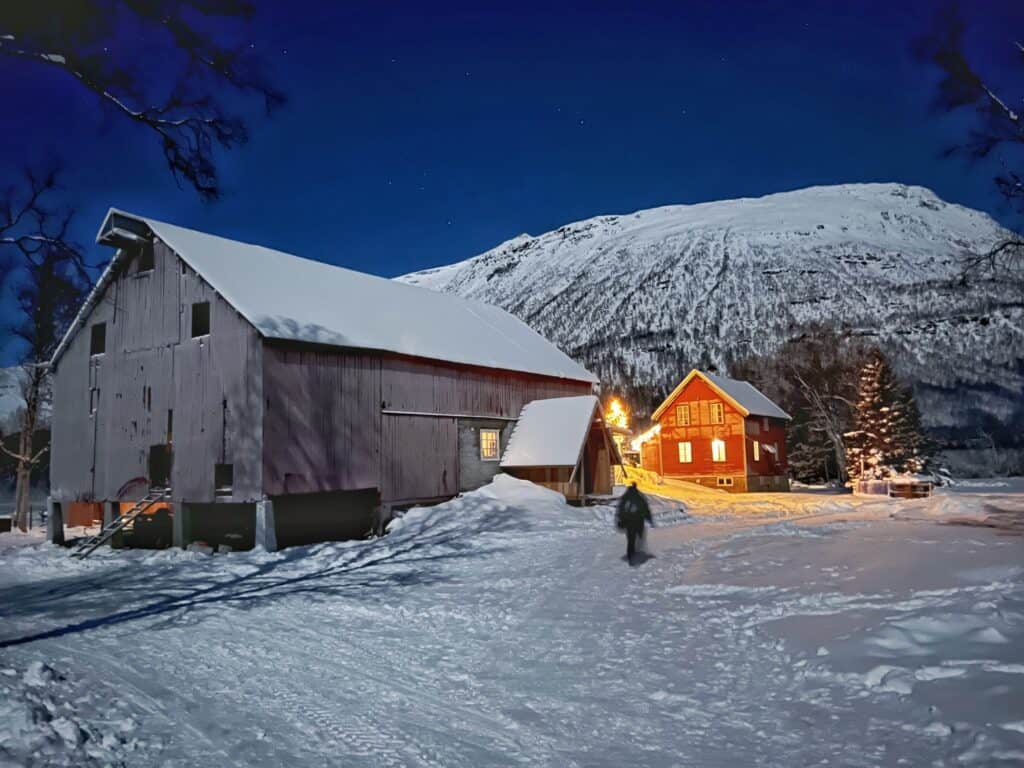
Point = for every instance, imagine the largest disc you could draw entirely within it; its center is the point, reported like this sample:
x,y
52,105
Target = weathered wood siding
x,y
153,365
474,471
321,423
434,387
342,420
421,457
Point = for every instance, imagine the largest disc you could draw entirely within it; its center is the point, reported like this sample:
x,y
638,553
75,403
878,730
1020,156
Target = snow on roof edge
x,y
516,333
722,385
542,436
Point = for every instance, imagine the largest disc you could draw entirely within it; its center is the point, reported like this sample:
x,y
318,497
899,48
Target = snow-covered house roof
x,y
552,432
744,396
297,299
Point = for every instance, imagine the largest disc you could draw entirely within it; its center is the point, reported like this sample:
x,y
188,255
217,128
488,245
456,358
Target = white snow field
x,y
504,628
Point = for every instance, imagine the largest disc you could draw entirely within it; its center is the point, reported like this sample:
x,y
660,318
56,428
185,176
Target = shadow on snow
x,y
412,557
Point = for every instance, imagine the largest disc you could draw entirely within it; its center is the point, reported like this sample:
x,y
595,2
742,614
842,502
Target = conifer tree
x,y
869,442
912,447
886,438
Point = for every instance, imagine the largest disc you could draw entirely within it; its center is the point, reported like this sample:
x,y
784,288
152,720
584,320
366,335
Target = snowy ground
x,y
505,629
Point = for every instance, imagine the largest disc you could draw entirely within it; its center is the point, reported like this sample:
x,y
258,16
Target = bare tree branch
x,y
77,37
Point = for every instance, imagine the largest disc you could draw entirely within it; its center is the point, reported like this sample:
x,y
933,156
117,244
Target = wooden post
x,y
583,475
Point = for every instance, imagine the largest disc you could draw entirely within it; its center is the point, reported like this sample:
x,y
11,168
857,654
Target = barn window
x,y
717,413
200,319
489,444
98,339
683,415
717,450
170,426
686,453
223,479
144,260
757,451
726,481
764,423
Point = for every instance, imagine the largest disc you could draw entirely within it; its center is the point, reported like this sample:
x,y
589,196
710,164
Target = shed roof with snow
x,y
297,299
552,432
744,396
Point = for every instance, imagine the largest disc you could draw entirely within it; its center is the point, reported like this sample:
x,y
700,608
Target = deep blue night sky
x,y
417,137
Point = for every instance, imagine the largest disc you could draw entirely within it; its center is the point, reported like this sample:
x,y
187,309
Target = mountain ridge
x,y
640,297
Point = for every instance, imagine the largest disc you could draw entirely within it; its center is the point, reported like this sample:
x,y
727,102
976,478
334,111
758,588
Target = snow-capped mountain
x,y
638,298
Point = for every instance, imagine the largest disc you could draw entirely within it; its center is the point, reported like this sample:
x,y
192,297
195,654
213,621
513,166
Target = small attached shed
x,y
563,444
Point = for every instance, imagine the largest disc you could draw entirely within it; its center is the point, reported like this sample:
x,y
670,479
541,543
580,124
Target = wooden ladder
x,y
91,544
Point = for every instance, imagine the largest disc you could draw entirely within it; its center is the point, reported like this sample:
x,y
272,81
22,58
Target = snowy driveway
x,y
505,629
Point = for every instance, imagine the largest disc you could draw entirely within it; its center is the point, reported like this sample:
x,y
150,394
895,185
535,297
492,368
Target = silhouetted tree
x,y
813,377
999,129
48,297
105,46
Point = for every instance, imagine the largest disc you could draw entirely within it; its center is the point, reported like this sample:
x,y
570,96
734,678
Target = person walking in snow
x,y
631,515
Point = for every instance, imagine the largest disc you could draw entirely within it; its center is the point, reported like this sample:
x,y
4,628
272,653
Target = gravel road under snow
x,y
504,628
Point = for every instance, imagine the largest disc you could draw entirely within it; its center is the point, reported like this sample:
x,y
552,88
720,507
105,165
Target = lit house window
x,y
717,413
686,453
757,451
489,444
717,450
683,415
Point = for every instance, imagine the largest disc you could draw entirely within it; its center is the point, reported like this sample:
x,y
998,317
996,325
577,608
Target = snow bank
x,y
504,499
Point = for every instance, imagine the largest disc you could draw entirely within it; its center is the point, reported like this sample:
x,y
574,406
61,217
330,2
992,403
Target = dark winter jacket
x,y
632,510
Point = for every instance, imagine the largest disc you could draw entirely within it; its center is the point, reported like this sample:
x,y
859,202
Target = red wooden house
x,y
719,432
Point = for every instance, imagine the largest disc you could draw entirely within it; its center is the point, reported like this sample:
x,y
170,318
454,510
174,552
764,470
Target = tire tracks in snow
x,y
155,700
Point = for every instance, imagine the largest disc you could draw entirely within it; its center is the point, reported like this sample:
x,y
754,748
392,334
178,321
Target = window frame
x,y
145,260
717,407
192,320
717,443
222,490
757,450
688,458
683,408
497,443
92,339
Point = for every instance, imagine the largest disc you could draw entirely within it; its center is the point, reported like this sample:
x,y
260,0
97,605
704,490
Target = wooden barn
x,y
719,432
261,398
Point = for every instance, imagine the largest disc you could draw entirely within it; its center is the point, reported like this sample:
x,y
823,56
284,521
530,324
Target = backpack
x,y
625,514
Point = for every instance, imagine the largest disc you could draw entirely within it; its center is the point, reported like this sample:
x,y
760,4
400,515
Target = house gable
x,y
154,384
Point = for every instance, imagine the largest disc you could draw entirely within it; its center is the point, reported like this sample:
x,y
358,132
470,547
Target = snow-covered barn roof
x,y
744,396
297,299
551,433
